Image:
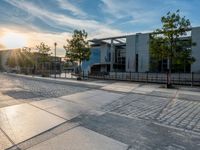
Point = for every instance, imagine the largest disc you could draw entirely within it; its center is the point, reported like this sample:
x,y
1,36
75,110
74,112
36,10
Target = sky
x,y
30,22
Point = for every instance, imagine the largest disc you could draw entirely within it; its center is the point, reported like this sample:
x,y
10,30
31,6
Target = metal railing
x,y
176,78
192,79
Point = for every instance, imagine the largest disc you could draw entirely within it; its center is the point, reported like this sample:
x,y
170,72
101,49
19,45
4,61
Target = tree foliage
x,y
43,57
26,58
77,48
169,41
13,59
22,58
44,51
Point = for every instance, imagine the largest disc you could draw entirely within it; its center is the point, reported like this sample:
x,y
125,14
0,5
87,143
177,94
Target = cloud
x,y
134,9
65,4
142,11
62,20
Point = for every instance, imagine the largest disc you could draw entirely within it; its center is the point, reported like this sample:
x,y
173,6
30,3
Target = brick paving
x,y
17,90
182,114
133,105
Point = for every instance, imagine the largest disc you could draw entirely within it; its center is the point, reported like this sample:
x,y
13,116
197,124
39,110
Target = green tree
x,y
167,43
26,59
13,58
77,48
44,55
22,58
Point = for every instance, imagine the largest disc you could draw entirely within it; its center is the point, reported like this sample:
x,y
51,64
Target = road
x,y
39,113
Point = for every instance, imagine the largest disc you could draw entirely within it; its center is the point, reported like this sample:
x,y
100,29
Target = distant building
x,y
52,64
130,53
4,54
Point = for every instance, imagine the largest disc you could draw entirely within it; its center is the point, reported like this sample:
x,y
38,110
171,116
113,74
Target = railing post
x,y
147,76
192,78
167,78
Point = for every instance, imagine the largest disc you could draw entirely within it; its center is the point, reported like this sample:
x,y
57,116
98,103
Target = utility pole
x,y
55,44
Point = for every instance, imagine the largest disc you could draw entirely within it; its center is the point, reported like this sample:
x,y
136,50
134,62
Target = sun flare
x,y
13,40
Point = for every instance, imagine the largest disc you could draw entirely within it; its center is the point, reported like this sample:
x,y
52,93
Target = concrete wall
x,y
137,44
196,49
143,52
130,53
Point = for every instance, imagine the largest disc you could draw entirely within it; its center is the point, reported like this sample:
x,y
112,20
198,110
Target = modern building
x,y
131,53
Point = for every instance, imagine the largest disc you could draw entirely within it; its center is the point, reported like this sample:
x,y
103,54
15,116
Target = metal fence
x,y
176,78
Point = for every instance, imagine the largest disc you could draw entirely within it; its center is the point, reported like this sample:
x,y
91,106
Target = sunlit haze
x,y
13,40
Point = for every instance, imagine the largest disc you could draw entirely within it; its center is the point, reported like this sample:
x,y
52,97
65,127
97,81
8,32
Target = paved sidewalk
x,y
46,114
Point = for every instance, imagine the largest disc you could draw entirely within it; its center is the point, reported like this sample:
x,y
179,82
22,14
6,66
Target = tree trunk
x,y
169,84
80,67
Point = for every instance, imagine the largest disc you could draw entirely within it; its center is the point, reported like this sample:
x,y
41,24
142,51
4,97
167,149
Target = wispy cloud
x,y
63,20
35,34
65,4
134,9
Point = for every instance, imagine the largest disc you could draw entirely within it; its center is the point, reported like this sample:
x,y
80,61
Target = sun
x,y
13,40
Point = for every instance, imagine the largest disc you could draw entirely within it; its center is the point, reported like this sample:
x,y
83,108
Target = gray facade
x,y
195,67
131,53
137,53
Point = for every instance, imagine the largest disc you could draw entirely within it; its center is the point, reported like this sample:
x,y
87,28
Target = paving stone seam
x,y
167,105
47,111
124,105
21,144
180,113
160,124
190,113
149,108
193,118
10,129
110,104
170,110
10,140
88,86
52,80
178,128
198,121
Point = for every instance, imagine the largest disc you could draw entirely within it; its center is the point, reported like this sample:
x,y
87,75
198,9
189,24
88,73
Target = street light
x,y
55,44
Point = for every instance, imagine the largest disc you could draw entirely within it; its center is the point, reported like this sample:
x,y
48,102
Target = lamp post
x,y
55,44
